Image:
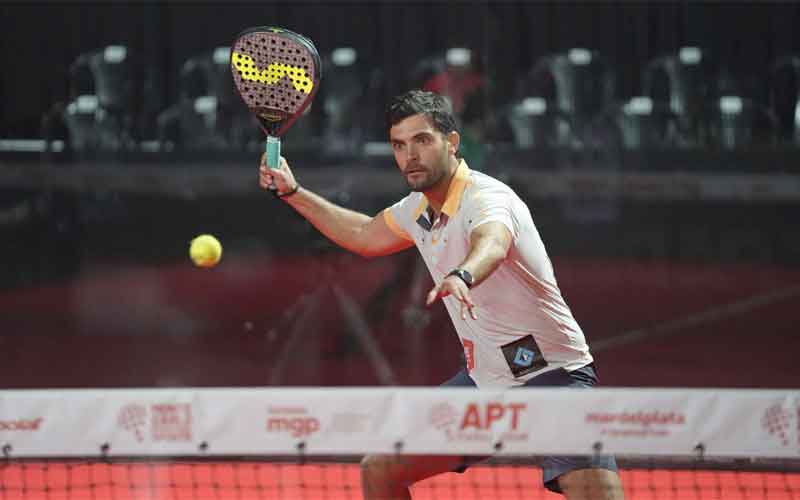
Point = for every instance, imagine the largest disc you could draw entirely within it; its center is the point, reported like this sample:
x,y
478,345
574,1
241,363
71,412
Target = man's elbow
x,y
365,250
372,249
366,253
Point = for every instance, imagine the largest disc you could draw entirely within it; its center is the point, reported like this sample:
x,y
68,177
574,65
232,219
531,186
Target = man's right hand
x,y
278,179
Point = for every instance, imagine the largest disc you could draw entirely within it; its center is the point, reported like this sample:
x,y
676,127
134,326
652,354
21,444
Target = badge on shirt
x,y
523,356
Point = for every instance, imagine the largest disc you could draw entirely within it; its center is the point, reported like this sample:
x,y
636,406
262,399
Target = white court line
x,y
697,319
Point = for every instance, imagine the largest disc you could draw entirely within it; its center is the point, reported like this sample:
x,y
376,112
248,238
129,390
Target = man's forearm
x,y
340,225
483,259
489,245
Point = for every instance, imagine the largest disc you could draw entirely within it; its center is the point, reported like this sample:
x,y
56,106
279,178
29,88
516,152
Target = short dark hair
x,y
436,107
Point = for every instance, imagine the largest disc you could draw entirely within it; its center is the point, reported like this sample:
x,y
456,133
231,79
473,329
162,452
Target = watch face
x,y
465,276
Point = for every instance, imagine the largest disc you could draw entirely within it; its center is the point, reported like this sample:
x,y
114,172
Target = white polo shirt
x,y
524,327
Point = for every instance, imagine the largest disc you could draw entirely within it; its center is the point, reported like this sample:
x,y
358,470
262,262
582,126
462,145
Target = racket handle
x,y
273,151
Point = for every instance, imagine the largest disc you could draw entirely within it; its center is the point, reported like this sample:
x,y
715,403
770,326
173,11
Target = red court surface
x,y
244,480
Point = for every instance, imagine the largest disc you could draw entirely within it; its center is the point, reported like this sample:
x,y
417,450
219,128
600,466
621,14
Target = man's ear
x,y
453,142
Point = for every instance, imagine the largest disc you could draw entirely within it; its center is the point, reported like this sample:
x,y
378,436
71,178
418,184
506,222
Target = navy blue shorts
x,y
552,467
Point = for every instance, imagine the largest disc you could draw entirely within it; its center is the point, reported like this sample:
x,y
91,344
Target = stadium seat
x,y
784,94
350,104
341,98
208,115
101,113
534,124
736,122
686,81
577,85
643,124
90,127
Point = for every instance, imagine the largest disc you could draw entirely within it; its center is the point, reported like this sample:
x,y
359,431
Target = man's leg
x,y
579,478
388,477
591,484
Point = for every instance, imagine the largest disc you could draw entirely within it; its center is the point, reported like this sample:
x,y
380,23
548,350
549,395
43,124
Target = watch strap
x,y
464,275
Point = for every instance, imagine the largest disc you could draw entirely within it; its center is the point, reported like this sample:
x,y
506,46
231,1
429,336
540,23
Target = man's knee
x,y
383,469
401,471
595,484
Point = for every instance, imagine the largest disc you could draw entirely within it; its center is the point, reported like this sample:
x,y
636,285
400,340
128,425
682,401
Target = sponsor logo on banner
x,y
21,425
293,420
642,423
171,422
161,421
479,421
133,418
778,421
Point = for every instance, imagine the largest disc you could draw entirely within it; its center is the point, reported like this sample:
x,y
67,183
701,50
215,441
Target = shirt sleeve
x,y
398,217
492,205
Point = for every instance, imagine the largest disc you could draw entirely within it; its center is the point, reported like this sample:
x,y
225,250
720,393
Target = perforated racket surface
x,y
277,73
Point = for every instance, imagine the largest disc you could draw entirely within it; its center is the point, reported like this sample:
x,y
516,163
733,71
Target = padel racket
x,y
277,74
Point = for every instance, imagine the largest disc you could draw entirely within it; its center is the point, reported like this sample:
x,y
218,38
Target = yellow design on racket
x,y
248,70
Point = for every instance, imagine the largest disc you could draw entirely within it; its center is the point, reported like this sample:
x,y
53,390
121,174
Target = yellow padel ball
x,y
205,251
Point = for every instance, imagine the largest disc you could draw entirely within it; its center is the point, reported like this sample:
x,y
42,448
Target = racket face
x,y
277,74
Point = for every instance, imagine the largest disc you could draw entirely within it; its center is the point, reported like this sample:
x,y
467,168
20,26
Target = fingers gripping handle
x,y
273,155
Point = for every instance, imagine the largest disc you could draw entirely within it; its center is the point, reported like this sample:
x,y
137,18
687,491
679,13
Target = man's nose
x,y
411,152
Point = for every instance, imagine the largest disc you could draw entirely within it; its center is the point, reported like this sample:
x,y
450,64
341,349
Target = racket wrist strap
x,y
288,193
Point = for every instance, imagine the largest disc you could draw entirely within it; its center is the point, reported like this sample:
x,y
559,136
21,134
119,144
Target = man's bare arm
x,y
351,230
489,245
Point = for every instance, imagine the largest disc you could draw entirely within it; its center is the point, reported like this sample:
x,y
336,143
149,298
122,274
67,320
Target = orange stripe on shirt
x,y
394,226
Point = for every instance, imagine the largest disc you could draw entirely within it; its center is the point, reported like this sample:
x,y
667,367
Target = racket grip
x,y
273,151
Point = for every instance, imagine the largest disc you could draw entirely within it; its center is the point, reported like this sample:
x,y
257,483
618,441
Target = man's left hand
x,y
453,285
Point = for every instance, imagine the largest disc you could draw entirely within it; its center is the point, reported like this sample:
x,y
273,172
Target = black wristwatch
x,y
465,276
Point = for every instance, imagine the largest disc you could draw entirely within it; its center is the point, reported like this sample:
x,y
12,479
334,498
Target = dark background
x,y
40,39
677,278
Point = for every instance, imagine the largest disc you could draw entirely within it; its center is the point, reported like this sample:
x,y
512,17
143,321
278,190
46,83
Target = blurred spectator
x,y
477,121
459,78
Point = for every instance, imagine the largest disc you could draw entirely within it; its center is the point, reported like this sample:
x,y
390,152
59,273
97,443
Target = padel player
x,y
489,267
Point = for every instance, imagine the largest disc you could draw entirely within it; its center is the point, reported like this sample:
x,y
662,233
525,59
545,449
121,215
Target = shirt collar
x,y
456,190
453,198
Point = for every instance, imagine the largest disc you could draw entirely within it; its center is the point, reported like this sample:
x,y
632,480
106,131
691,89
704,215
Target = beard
x,y
425,180
428,177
